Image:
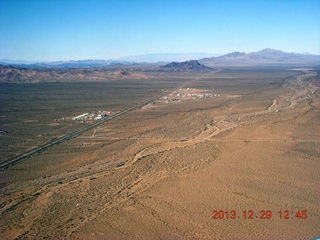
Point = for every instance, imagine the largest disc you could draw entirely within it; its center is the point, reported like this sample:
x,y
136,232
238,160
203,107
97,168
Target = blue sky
x,y
48,30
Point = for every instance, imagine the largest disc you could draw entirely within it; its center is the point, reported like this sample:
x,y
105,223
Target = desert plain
x,y
249,152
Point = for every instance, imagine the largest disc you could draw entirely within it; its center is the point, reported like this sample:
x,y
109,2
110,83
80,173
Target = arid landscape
x,y
209,153
160,120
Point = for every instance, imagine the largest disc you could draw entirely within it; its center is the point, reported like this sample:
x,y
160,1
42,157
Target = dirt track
x,y
303,91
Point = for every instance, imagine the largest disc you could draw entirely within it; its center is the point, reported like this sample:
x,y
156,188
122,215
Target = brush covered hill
x,y
32,75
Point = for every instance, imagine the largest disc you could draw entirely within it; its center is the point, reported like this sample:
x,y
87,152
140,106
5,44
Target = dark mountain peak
x,y
191,65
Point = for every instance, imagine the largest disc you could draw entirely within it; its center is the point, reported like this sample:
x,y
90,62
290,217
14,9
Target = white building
x,y
80,117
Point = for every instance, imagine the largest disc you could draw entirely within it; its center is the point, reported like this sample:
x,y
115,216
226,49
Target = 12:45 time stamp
x,y
262,214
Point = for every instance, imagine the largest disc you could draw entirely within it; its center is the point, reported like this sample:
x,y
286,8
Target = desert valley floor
x,y
161,171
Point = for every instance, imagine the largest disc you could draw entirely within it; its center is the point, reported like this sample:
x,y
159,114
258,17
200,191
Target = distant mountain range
x,y
62,64
101,70
34,75
265,56
44,74
90,63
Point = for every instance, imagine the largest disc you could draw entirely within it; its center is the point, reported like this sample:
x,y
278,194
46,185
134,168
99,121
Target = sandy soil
x,y
160,172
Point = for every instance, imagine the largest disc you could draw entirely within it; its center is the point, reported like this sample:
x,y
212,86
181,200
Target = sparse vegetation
x,y
163,167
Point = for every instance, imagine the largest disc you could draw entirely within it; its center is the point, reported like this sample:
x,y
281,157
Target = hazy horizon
x,y
45,31
118,59
161,56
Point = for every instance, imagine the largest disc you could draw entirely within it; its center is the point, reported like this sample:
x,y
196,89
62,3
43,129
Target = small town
x,y
184,94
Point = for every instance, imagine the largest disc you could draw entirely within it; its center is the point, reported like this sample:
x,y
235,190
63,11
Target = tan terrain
x,y
160,172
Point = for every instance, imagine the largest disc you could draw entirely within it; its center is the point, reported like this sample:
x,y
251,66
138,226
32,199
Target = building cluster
x,y
92,116
81,117
188,94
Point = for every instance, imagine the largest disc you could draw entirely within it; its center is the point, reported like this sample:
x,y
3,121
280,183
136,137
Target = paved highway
x,y
11,161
